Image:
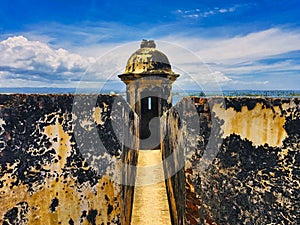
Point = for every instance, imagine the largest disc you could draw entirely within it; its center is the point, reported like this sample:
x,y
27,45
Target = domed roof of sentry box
x,y
148,60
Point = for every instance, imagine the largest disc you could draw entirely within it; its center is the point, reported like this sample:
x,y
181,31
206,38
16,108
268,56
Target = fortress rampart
x,y
241,160
227,160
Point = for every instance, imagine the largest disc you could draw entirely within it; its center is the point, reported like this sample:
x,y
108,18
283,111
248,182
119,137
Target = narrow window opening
x,y
149,103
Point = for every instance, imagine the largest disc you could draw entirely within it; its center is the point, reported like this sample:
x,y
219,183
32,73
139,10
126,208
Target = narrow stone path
x,y
150,202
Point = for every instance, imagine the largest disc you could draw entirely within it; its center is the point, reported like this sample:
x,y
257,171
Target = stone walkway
x,y
150,203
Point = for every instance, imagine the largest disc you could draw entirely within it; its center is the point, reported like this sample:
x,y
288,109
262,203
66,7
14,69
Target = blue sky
x,y
245,44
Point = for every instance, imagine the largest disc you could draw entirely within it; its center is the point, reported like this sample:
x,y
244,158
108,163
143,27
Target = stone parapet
x,y
63,162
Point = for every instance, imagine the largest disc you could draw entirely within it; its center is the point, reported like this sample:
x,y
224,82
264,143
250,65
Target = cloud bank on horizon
x,y
246,46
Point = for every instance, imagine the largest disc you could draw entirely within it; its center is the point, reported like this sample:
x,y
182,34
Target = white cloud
x,y
224,61
253,46
25,60
257,67
20,53
192,16
197,13
239,51
208,13
238,57
223,10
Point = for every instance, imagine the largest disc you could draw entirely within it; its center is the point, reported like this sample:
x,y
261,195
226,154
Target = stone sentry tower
x,y
149,77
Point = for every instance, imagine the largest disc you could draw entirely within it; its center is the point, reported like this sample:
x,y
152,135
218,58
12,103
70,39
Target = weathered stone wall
x,y
243,167
71,159
175,143
62,159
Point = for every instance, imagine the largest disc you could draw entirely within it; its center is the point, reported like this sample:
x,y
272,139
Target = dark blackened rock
x,y
44,140
91,217
71,222
250,103
292,127
17,215
109,209
54,205
244,182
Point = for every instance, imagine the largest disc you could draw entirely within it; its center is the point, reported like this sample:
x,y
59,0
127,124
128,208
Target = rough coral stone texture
x,y
61,158
244,168
180,120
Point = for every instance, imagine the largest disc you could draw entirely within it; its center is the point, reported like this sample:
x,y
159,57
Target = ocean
x,y
177,95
